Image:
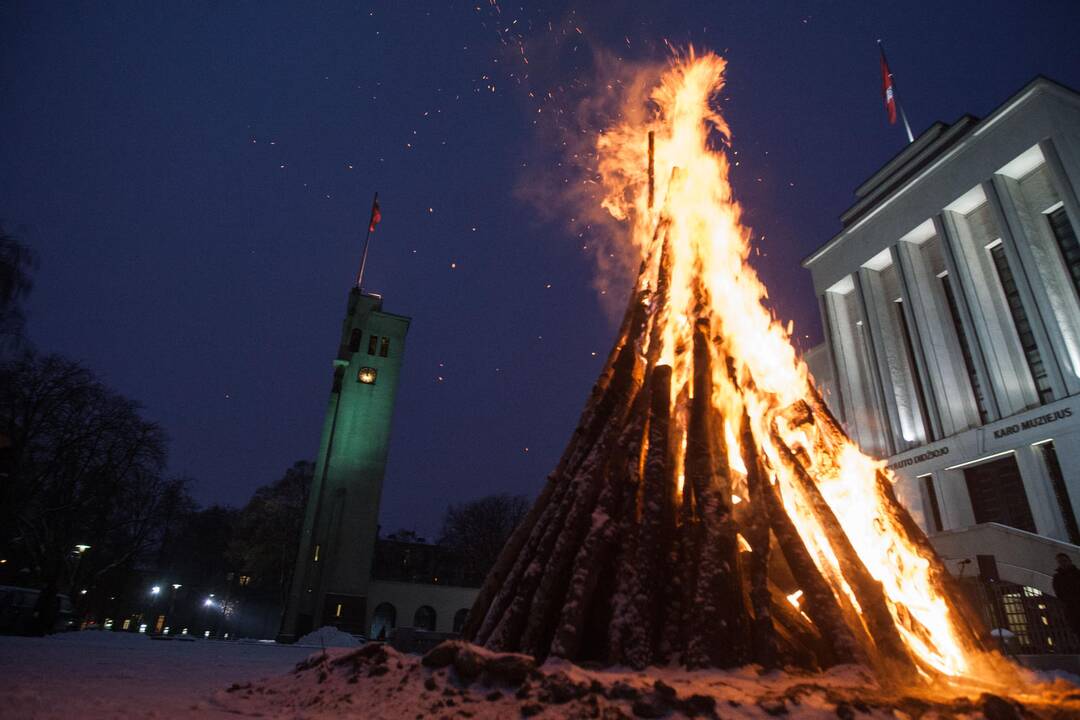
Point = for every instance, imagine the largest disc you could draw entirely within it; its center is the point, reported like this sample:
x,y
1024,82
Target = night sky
x,y
195,179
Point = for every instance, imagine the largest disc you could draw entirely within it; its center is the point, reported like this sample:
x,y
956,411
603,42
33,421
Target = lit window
x,y
245,580
316,553
337,610
372,343
367,375
384,347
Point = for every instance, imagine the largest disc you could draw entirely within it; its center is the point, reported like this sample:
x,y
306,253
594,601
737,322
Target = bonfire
x,y
709,510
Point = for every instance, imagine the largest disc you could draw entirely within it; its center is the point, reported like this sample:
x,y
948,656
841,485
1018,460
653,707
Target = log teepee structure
x,y
708,509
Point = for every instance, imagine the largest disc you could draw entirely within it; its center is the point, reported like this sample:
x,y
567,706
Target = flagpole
x,y
903,116
367,242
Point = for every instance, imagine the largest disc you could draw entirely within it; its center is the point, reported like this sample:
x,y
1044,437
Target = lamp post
x,y
172,600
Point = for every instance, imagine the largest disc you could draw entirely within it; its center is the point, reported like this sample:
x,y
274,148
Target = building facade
x,y
951,307
335,582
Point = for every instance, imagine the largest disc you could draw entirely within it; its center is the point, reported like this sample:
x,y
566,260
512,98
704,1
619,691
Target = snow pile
x,y
327,637
462,681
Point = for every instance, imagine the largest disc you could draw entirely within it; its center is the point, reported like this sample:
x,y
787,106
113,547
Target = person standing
x,y
1067,590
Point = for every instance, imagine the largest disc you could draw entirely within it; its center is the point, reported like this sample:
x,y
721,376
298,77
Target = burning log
x,y
631,554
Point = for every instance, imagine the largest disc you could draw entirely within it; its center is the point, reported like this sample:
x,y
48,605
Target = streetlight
x,y
155,590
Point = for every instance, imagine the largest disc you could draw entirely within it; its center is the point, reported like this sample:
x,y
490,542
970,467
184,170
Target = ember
x,y
708,509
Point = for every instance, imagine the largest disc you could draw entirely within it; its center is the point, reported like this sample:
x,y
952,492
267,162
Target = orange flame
x,y
709,247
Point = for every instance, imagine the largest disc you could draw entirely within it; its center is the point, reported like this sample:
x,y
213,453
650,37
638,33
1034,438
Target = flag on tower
x,y
887,90
376,215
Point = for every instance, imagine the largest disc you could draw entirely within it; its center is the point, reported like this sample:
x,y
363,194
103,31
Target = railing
x,y
1023,619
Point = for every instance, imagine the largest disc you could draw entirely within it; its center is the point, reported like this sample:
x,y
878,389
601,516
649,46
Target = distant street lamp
x,y
155,590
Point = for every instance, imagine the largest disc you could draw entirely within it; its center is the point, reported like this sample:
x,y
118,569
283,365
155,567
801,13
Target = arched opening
x,y
459,619
424,618
383,621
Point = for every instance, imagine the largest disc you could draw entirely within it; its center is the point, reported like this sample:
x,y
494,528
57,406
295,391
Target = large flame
x,y
692,200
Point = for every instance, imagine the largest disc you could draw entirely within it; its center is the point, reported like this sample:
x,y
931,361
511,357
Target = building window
x,y
367,375
459,619
997,494
354,340
909,350
932,500
1023,325
316,556
424,619
372,343
245,580
1067,243
965,350
383,621
384,346
1061,491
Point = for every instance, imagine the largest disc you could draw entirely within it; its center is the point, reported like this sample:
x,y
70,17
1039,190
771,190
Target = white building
x,y
951,307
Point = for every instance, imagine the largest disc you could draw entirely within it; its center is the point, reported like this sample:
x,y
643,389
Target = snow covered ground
x,y
97,675
122,675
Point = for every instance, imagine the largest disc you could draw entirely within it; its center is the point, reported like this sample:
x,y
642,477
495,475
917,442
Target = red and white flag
x,y
887,90
376,215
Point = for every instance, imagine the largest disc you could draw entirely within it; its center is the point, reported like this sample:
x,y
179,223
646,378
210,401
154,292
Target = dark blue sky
x,y
195,178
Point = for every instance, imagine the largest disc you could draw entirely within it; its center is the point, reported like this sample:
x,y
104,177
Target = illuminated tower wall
x,y
333,568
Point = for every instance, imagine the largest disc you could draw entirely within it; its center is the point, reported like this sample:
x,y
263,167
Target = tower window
x,y
367,375
372,343
384,346
354,340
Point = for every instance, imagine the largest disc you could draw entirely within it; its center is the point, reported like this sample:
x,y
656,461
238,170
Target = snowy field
x,y
120,675
97,675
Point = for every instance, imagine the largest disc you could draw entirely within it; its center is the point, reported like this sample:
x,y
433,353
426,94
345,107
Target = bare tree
x,y
16,263
478,530
83,468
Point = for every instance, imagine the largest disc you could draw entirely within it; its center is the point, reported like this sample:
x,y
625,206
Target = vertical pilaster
x,y
886,401
1040,494
919,334
961,292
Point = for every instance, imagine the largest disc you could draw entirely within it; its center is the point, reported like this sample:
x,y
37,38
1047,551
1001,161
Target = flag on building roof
x,y
888,92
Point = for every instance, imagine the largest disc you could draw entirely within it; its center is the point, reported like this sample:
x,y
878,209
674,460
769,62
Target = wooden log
x,y
501,624
550,593
643,623
756,531
891,651
965,617
718,617
497,577
821,605
798,641
597,549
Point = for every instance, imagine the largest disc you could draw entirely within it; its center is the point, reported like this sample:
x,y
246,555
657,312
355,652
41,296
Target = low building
x,y
950,301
